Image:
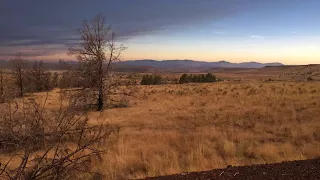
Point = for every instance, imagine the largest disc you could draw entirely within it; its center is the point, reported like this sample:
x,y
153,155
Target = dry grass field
x,y
170,129
280,73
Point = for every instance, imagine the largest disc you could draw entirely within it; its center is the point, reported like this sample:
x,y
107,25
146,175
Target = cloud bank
x,y
49,26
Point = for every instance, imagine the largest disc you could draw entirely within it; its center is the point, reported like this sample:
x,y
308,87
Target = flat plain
x,y
174,128
169,129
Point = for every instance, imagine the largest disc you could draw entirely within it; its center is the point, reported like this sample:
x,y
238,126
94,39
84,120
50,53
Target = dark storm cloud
x,y
44,22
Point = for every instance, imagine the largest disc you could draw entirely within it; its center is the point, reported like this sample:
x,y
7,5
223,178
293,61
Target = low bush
x,y
152,80
197,78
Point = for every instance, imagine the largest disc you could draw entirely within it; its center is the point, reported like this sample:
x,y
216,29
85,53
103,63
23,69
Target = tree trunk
x,y
21,84
1,88
21,90
100,100
100,86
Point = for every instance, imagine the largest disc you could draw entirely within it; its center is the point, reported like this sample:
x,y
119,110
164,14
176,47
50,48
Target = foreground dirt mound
x,y
307,169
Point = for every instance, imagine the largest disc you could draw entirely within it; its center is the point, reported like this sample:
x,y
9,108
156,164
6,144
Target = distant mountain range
x,y
186,64
164,65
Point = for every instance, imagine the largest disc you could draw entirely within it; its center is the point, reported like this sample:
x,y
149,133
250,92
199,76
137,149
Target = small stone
x,y
221,173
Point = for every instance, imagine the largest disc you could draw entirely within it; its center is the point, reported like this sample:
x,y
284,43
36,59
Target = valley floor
x,y
170,129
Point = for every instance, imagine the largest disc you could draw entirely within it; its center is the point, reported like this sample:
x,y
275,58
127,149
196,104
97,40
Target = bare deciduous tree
x,y
68,143
55,80
38,75
19,70
97,52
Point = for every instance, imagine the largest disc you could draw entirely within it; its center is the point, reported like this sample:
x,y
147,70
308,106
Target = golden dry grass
x,y
170,129
177,128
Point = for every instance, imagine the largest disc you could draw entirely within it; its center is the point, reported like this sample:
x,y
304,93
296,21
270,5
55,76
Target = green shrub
x,y
199,78
151,80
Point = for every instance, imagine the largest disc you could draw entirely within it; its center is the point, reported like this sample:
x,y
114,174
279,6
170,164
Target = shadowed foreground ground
x,y
306,169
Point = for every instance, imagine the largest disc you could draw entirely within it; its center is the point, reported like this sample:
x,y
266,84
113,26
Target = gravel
x,y
305,169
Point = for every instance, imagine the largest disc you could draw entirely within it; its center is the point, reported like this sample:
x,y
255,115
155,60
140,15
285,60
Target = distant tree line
x,y
29,77
152,80
26,77
197,78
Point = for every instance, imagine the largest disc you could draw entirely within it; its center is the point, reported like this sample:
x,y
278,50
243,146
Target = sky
x,y
286,31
